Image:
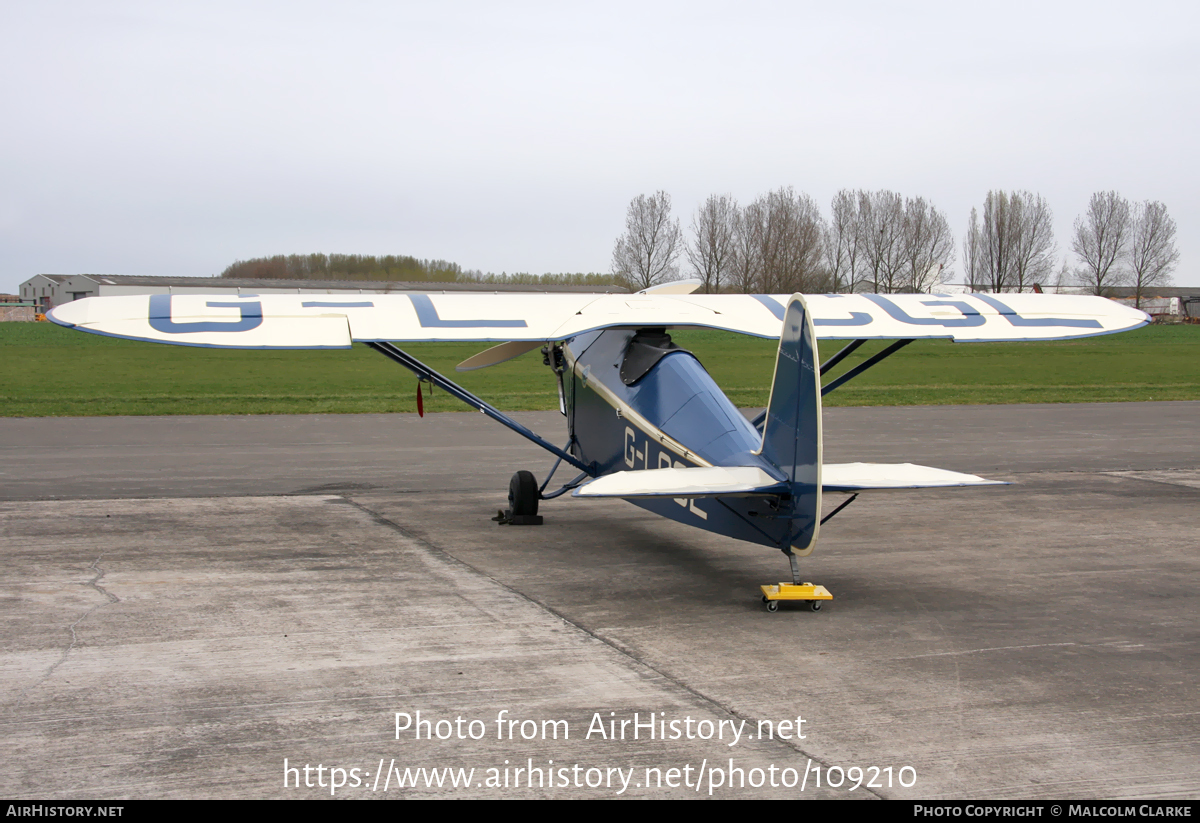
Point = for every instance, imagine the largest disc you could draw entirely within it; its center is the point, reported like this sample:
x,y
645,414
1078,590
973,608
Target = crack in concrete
x,y
109,597
613,644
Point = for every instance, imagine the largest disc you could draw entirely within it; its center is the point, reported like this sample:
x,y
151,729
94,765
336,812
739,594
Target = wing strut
x,y
757,422
831,515
840,356
425,373
863,366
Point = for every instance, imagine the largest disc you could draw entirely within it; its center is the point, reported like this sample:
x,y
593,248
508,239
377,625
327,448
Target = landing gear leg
x,y
795,569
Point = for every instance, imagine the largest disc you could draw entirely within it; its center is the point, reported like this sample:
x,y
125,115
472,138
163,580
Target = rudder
x,y
792,429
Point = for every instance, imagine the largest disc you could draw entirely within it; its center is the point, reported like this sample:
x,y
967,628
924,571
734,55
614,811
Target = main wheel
x,y
773,606
815,605
523,493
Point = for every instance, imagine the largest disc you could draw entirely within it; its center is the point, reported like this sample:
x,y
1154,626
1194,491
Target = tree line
x,y
396,268
881,241
344,267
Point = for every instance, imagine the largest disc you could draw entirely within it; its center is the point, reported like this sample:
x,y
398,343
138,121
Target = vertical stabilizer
x,y
792,429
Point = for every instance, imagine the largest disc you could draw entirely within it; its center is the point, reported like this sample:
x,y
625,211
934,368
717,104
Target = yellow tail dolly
x,y
789,591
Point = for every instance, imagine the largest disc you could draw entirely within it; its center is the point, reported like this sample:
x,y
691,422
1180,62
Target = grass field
x,y
47,370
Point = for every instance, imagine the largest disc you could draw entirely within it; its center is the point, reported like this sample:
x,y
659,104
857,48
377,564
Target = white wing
x,y
321,321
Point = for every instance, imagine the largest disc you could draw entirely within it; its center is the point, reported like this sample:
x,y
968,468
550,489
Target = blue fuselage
x,y
673,415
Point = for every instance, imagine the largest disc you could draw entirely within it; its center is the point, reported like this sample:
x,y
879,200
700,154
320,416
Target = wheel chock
x,y
507,518
807,592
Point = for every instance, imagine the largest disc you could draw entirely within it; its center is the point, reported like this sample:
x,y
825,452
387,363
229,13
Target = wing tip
x,y
58,321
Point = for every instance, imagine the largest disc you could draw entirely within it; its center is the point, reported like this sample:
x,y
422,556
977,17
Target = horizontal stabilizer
x,y
717,481
856,477
701,481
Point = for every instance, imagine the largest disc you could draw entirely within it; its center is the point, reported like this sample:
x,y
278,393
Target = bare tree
x,y
1013,247
1101,241
711,251
745,263
879,241
801,266
645,254
786,233
927,245
973,255
1032,236
843,241
996,242
882,216
1152,252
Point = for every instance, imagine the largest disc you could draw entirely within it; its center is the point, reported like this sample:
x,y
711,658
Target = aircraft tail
x,y
792,428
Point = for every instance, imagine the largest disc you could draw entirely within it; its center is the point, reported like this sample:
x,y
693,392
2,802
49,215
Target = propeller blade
x,y
498,354
673,287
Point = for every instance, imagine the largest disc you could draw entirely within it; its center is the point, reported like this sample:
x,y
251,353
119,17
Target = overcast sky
x,y
174,138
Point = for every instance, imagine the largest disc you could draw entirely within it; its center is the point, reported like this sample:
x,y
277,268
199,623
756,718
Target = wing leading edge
x,y
334,321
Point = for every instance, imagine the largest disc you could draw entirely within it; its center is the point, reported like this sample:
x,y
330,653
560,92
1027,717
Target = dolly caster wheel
x,y
772,605
766,599
815,605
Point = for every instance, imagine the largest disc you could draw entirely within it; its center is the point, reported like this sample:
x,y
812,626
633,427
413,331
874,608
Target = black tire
x,y
815,605
523,494
766,599
773,606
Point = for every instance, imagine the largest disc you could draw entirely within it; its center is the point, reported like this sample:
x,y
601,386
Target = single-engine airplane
x,y
645,421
